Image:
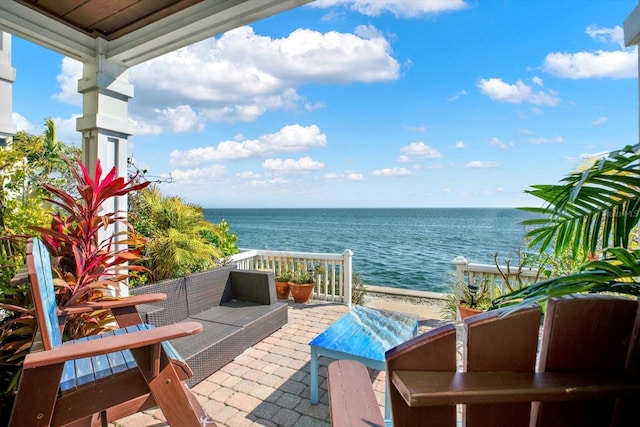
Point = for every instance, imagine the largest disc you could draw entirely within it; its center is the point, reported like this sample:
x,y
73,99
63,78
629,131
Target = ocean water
x,y
399,248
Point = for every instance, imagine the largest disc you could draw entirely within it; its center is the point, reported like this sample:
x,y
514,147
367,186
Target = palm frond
x,y
591,209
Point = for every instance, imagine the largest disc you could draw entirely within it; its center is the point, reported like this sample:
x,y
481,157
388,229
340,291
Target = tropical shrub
x,y
358,289
180,240
222,238
27,162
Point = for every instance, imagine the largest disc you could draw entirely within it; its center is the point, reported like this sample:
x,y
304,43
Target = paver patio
x,y
268,384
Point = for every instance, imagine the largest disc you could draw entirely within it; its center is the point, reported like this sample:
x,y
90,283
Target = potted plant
x,y
282,284
302,283
475,297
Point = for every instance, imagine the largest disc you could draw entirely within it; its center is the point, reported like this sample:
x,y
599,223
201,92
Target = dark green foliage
x,y
617,273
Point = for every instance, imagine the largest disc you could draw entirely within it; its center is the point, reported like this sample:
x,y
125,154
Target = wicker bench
x,y
237,309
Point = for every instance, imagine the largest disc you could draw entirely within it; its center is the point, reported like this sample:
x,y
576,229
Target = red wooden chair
x,y
587,374
106,376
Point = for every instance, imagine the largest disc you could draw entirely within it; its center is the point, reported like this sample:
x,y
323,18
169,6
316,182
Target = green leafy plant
x,y
27,162
595,210
303,275
284,276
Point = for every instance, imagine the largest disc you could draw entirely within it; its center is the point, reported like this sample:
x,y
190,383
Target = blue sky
x,y
370,103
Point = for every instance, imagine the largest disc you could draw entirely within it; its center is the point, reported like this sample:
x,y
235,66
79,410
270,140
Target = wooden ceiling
x,y
129,32
108,19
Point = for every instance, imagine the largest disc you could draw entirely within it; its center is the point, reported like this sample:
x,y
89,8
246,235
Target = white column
x,y
347,256
7,77
104,125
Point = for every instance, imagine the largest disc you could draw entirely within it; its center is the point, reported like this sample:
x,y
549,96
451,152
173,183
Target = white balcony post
x,y
348,275
7,77
461,268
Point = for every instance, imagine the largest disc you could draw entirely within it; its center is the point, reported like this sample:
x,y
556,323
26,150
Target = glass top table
x,y
362,334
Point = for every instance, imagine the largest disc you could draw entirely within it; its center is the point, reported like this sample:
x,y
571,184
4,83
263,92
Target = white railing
x,y
504,278
333,284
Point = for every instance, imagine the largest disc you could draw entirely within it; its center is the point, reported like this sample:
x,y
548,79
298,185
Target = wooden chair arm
x,y
116,303
427,388
111,344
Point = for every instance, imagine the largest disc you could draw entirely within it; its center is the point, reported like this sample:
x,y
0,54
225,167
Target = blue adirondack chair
x,y
102,377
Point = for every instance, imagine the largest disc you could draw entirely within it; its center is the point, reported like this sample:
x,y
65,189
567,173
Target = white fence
x,y
332,284
503,278
335,281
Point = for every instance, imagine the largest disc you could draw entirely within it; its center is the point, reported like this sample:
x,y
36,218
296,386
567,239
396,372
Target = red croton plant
x,y
86,264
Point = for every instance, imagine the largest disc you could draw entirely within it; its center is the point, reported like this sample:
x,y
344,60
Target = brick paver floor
x,y
268,384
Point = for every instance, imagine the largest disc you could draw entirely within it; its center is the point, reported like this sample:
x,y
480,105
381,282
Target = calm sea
x,y
400,248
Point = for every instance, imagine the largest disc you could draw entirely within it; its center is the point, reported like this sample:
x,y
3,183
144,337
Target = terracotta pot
x,y
465,311
282,290
301,293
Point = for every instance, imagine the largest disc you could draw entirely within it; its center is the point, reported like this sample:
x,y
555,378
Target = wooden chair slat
x,y
44,296
434,351
584,332
517,334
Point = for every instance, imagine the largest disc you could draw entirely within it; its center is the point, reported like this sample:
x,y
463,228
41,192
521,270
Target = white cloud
x,y
600,121
189,176
497,142
593,65
434,166
345,176
241,75
22,124
481,164
248,175
392,172
68,81
404,159
460,144
264,182
303,164
516,93
463,92
613,35
544,140
292,138
399,8
420,150
617,64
